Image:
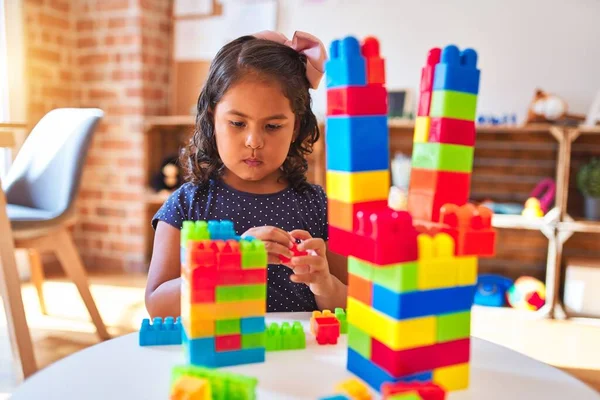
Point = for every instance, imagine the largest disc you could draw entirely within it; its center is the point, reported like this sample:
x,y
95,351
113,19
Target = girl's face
x,y
254,127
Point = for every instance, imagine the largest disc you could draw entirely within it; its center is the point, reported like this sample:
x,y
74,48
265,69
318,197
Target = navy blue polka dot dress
x,y
287,209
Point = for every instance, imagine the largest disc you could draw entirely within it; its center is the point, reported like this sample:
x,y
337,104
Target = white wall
x,y
522,44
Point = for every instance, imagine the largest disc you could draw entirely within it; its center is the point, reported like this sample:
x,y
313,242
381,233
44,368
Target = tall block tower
x,y
223,295
411,274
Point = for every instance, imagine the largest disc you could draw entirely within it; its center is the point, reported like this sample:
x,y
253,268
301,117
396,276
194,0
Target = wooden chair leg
x,y
71,261
37,277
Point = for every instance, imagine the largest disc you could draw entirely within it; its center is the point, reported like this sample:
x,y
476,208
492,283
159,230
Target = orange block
x,y
360,288
342,215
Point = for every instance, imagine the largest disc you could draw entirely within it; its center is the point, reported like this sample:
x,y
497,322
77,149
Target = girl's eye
x,y
237,124
273,127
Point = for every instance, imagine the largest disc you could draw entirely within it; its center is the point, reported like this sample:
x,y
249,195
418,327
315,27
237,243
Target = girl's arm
x,y
339,291
163,289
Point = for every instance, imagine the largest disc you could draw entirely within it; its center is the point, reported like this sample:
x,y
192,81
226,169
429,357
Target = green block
x,y
240,292
405,396
273,338
453,326
360,268
443,157
194,230
254,254
359,341
399,278
224,385
452,104
340,314
285,336
227,327
253,340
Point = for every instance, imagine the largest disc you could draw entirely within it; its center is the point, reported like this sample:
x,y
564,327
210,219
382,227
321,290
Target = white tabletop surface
x,y
121,369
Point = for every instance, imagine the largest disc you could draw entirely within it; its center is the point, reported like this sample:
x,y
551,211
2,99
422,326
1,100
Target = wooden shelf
x,y
583,226
169,120
518,222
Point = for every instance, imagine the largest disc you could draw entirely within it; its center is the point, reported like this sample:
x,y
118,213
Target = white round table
x,y
121,369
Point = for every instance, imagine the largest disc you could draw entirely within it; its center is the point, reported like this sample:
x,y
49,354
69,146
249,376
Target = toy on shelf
x,y
169,177
493,120
159,332
491,290
325,327
527,293
223,385
404,391
532,208
285,337
223,295
411,274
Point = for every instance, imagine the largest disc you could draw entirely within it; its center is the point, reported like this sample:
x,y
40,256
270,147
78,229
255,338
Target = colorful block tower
x,y
411,279
223,295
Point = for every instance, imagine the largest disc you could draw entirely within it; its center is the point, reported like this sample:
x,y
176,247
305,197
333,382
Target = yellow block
x,y
395,334
354,389
422,130
191,388
467,270
218,311
438,268
354,187
454,377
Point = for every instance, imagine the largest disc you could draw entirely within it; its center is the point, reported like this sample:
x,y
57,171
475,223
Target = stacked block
x,y
412,391
159,332
222,385
325,326
410,292
223,295
285,337
444,135
356,126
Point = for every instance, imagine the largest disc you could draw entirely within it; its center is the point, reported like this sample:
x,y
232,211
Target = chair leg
x,y
71,261
37,277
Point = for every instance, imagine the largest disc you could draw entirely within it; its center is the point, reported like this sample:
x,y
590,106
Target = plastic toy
x,y
409,295
424,391
223,385
223,295
159,332
354,388
285,337
491,290
295,253
545,191
527,293
532,208
190,388
325,327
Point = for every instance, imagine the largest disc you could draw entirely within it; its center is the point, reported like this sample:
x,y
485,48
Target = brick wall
x,y
114,55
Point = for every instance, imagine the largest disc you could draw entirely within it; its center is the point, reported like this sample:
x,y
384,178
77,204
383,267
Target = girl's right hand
x,y
277,242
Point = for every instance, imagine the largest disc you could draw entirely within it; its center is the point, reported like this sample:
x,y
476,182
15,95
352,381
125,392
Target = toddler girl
x,y
246,162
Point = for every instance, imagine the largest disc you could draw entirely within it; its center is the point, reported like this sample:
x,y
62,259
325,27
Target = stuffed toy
x,y
169,177
546,107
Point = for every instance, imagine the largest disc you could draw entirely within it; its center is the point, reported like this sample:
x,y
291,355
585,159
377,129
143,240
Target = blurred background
x,y
142,63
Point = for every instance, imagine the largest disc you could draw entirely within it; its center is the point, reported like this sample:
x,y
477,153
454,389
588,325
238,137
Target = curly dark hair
x,y
200,159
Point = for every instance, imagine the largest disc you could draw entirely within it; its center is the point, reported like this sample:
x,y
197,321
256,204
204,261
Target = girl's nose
x,y
254,140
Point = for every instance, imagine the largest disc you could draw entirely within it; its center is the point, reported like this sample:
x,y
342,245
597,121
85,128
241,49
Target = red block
x,y
400,363
427,72
203,295
424,103
385,237
427,390
243,277
343,215
360,288
229,256
357,100
452,131
448,186
327,330
228,342
295,252
201,254
471,228
424,206
375,64
340,241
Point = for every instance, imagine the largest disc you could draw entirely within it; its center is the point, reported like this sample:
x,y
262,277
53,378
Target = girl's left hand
x,y
311,269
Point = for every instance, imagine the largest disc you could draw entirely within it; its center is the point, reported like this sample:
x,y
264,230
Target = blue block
x,y
237,357
457,71
374,376
201,352
335,397
221,230
346,65
357,143
253,325
159,332
422,302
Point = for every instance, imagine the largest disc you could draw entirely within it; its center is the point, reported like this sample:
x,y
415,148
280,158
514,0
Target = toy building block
x,y
224,385
228,342
354,388
357,101
471,228
452,131
340,241
452,186
359,341
340,314
375,64
354,187
159,332
360,289
399,278
318,314
254,254
252,325
221,230
426,86
194,230
285,337
421,134
190,388
343,215
443,157
327,330
438,268
467,270
426,391
453,326
457,70
346,65
453,377
352,141
452,104
295,253
336,397
385,237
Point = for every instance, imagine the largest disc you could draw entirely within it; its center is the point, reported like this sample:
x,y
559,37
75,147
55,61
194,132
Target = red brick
x,y
124,75
113,5
57,93
51,21
106,262
94,227
85,25
93,76
39,73
125,40
60,5
129,162
124,110
115,145
111,212
136,230
101,94
66,75
87,42
43,55
125,196
94,59
90,194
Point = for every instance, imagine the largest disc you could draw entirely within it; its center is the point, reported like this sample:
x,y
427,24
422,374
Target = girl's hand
x,y
277,242
311,269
